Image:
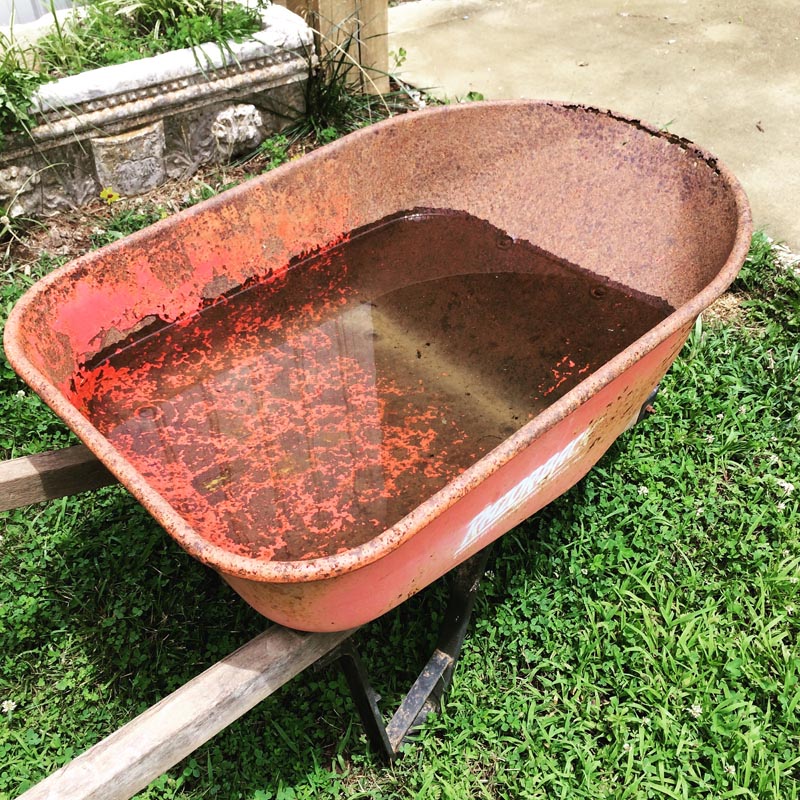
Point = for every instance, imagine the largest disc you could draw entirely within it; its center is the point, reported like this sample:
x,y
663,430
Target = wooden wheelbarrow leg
x,y
129,759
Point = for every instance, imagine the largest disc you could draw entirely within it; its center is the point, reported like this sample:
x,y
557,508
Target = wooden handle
x,y
129,759
46,476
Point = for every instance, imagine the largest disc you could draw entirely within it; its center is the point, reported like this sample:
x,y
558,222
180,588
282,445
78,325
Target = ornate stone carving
x,y
131,163
18,183
237,129
183,113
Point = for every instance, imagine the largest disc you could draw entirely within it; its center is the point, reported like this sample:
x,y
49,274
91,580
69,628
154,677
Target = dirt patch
x,y
727,310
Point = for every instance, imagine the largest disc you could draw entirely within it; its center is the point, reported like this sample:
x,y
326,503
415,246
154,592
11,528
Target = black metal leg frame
x,y
426,693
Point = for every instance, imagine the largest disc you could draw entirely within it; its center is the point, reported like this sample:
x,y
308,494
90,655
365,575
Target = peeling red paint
x,y
293,420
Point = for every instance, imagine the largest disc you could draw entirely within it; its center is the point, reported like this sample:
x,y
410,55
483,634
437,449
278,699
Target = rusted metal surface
x,y
631,204
303,416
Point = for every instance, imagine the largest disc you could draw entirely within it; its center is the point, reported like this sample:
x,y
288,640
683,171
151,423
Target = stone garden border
x,y
131,127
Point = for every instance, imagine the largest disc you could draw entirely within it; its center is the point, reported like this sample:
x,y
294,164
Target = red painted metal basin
x,y
334,474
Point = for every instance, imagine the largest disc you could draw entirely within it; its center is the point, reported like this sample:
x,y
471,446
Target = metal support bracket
x,y
647,406
425,695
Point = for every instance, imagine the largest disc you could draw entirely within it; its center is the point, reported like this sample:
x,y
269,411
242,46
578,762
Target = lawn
x,y
636,639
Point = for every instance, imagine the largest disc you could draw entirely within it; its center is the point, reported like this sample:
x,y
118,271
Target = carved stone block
x,y
237,129
131,163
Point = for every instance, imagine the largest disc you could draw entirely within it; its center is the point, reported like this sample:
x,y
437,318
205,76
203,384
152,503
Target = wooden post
x,y
374,42
366,20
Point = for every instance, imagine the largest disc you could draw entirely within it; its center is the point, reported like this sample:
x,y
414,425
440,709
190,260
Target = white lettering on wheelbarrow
x,y
524,490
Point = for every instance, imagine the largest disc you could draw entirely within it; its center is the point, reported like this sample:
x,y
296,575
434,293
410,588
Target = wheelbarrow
x,y
342,380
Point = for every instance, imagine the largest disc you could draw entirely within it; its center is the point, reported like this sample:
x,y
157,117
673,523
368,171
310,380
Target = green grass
x,y
636,639
17,85
118,31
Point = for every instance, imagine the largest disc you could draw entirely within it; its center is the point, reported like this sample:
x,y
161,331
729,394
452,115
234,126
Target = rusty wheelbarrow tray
x,y
633,206
636,205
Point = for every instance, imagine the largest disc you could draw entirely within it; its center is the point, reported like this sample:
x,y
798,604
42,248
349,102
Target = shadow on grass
x,y
111,616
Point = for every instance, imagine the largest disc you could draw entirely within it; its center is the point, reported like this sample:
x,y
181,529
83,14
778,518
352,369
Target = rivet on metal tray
x,y
147,412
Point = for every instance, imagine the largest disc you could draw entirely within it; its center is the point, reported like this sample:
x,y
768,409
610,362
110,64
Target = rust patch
x,y
298,417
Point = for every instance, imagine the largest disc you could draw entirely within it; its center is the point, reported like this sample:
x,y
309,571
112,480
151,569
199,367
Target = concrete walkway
x,y
723,73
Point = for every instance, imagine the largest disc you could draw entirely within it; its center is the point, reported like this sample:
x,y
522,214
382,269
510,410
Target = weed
x,y
8,229
126,221
469,97
107,32
398,57
109,195
336,102
17,86
276,150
